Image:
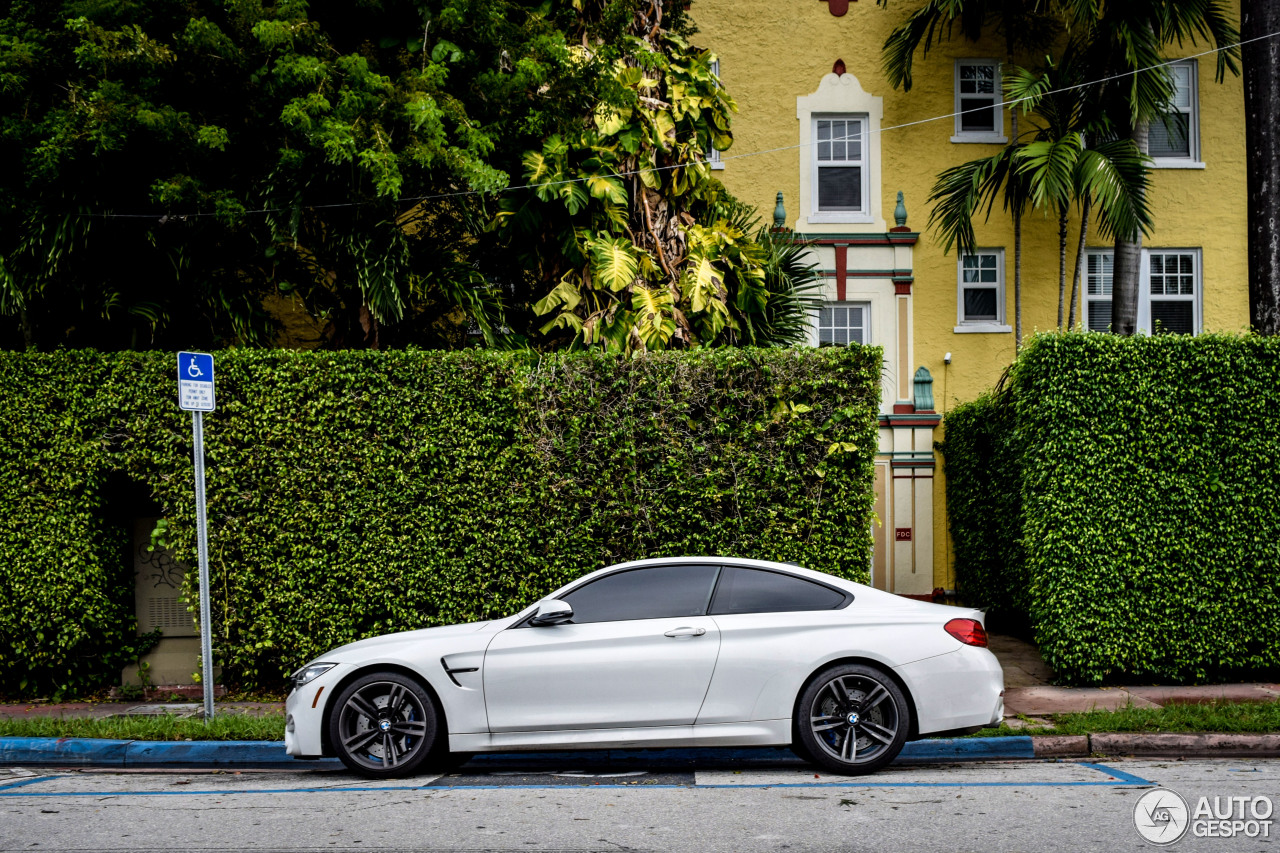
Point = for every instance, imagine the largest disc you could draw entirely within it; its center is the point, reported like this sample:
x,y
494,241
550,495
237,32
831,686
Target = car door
x,y
640,651
771,626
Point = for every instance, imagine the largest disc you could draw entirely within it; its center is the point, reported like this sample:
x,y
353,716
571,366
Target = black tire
x,y
384,725
852,719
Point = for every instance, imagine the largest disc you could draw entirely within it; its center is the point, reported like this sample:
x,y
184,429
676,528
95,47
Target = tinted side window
x,y
654,593
755,591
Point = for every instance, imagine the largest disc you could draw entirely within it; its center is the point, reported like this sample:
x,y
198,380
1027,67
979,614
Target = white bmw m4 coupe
x,y
694,651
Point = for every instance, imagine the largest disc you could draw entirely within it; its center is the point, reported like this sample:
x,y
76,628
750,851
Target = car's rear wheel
x,y
384,724
852,719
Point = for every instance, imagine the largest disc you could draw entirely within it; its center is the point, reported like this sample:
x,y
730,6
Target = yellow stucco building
x,y
819,124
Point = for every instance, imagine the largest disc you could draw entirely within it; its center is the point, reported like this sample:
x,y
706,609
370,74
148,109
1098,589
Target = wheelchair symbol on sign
x,y
193,370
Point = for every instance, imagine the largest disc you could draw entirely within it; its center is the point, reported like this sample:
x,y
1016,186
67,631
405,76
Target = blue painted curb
x,y
65,752
92,752
967,749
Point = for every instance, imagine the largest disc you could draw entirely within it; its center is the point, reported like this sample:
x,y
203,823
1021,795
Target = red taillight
x,y
968,631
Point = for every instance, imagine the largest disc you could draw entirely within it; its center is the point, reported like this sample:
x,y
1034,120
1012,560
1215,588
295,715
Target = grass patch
x,y
1231,717
164,727
1253,717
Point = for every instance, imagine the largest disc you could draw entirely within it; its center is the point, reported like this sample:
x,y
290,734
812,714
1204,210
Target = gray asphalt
x,y
1022,806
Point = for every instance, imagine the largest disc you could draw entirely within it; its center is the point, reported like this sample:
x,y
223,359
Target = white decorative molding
x,y
840,95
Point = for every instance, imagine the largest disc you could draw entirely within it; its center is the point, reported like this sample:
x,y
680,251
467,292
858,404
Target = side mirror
x,y
552,613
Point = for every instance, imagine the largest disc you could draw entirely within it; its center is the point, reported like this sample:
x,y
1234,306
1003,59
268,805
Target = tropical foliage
x,y
193,172
1068,156
1089,147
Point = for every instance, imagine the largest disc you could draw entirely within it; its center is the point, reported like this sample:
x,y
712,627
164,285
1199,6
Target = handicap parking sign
x,y
195,381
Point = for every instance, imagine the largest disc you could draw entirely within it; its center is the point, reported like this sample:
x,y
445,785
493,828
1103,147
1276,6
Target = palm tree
x,y
1058,166
1025,25
1074,158
1124,40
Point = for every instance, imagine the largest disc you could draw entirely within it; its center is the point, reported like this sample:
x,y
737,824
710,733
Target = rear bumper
x,y
959,690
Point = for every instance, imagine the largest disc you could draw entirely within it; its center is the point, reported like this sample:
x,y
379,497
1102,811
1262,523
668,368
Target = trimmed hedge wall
x,y
358,493
1124,495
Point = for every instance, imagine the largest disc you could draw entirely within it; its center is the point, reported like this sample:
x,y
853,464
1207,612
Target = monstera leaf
x,y
613,262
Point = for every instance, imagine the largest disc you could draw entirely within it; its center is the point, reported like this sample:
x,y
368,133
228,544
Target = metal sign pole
x,y
206,614
196,395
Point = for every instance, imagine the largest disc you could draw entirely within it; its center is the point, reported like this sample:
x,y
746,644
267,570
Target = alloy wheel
x,y
384,726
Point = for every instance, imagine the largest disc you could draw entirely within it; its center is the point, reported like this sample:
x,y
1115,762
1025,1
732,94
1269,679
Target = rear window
x,y
757,591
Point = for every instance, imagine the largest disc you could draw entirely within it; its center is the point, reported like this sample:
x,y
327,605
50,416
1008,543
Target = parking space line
x,y
1115,778
32,781
1117,774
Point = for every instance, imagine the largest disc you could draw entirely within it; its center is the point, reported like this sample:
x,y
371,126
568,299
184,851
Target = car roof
x,y
769,565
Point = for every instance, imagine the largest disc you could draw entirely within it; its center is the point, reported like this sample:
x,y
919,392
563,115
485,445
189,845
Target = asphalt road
x,y
551,805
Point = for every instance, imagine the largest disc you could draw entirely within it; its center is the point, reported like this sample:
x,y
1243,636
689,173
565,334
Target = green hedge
x,y
358,493
1146,497
983,472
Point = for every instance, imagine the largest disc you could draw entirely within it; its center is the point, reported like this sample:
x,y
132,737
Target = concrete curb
x,y
93,752
90,752
1199,745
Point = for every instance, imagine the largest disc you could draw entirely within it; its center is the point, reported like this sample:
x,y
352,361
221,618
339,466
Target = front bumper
x,y
304,714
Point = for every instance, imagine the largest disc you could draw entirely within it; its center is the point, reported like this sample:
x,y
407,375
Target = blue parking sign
x,y
195,382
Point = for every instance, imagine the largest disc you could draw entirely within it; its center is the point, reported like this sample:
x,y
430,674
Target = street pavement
x,y
589,805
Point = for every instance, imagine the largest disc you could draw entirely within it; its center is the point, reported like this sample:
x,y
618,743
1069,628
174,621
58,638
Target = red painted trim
x,y
902,288
838,7
842,270
916,422
900,229
903,409
887,240
838,68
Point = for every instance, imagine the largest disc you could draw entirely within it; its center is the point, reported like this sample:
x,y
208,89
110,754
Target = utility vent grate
x,y
168,613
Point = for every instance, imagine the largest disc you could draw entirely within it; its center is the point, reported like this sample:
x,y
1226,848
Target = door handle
x,y
685,632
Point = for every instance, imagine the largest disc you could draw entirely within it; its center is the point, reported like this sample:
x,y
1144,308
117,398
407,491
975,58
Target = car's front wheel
x,y
852,719
384,724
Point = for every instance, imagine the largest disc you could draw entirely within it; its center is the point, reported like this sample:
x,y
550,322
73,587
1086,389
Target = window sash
x,y
981,287
1175,136
840,148
977,93
843,323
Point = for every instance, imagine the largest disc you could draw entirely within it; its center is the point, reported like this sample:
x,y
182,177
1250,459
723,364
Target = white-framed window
x,y
1174,141
1170,284
1172,280
713,156
1098,269
979,118
980,303
844,323
840,182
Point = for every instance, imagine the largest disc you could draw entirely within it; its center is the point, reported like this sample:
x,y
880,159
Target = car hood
x,y
363,649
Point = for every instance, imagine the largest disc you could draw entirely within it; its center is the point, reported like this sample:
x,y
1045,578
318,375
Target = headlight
x,y
311,672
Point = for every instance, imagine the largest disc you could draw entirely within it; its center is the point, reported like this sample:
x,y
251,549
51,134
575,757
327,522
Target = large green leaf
x,y
613,262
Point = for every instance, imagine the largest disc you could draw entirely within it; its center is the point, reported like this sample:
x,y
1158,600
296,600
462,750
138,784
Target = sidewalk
x,y
1029,693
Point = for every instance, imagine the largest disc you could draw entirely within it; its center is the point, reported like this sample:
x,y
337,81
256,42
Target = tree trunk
x,y
1062,261
28,329
1128,261
1075,279
1261,60
1017,247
